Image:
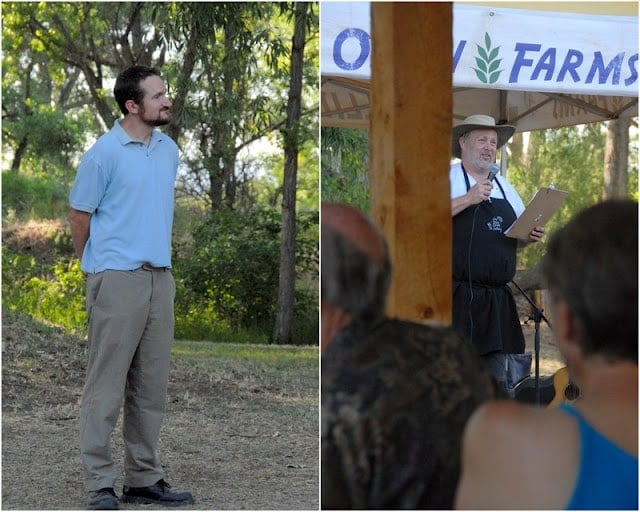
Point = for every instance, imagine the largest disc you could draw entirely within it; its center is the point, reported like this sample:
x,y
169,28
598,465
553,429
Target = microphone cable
x,y
493,171
473,227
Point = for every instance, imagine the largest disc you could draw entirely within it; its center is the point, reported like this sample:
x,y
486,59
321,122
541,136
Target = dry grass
x,y
240,432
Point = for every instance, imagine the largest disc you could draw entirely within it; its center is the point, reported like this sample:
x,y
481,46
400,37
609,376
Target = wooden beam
x,y
411,121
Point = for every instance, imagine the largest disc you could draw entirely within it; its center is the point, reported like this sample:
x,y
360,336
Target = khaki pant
x,y
131,326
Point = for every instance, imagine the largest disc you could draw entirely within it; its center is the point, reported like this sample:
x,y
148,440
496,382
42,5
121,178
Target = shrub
x,y
25,197
57,299
231,270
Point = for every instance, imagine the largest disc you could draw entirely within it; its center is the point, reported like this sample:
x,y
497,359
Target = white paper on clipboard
x,y
544,204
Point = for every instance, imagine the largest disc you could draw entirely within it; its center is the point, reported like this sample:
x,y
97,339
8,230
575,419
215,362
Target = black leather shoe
x,y
103,499
158,493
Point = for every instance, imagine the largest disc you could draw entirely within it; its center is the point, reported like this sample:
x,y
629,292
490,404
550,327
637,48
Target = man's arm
x,y
459,203
79,222
476,194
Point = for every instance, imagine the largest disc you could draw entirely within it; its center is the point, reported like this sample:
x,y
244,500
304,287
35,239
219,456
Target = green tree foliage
x,y
42,197
571,159
345,166
232,267
57,298
238,88
41,126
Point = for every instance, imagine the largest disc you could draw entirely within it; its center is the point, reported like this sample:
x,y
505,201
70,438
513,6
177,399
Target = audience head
x,y
355,265
591,265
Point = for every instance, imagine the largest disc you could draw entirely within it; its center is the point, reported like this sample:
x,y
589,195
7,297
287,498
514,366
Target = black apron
x,y
484,261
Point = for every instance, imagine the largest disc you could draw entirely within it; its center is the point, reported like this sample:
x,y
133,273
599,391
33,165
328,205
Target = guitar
x,y
554,389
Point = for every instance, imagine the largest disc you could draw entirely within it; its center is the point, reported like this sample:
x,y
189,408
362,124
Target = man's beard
x,y
481,164
158,121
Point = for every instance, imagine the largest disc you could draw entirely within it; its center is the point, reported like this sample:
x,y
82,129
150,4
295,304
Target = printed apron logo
x,y
495,224
488,62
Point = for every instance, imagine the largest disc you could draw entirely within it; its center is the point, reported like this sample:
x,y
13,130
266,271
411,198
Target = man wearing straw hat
x,y
484,259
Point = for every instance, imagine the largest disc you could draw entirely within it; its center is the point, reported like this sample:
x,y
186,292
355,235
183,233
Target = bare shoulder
x,y
502,414
510,450
502,425
496,424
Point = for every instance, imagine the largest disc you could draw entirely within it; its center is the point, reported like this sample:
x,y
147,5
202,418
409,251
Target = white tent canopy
x,y
532,69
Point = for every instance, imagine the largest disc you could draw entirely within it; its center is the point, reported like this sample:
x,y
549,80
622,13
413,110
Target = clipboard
x,y
544,204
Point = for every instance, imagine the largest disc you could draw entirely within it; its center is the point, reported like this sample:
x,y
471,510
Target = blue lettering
x,y
572,61
603,73
546,63
458,54
365,48
634,71
520,61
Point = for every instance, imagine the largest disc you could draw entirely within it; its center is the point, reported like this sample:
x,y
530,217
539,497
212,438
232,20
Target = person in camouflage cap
x,y
395,395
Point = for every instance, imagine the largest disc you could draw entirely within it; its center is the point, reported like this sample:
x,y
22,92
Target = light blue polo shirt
x,y
128,187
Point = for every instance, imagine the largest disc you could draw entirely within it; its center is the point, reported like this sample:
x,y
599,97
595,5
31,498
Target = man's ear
x,y
132,106
567,329
564,320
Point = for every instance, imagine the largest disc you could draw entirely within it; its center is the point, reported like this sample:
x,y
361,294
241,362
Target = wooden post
x,y
411,121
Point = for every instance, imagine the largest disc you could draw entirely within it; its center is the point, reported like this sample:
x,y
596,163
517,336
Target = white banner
x,y
510,49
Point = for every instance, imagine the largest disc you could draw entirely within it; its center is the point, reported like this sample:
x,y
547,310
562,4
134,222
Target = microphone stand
x,y
537,317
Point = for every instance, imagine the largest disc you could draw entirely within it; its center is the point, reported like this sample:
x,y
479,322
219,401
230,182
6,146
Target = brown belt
x,y
151,268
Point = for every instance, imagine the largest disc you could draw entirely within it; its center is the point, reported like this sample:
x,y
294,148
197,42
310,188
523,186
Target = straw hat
x,y
480,122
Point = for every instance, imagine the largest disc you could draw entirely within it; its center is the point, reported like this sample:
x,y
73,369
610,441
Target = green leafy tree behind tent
x,y
571,159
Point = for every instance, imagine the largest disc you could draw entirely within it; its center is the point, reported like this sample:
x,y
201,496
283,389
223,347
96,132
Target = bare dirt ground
x,y
237,437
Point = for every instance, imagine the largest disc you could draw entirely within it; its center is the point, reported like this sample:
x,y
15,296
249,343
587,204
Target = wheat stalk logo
x,y
487,62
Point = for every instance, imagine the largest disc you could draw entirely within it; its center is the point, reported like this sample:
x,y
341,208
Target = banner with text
x,y
509,49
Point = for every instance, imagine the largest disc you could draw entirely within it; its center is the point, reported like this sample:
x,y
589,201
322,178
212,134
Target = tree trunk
x,y
516,146
183,83
17,155
529,279
230,187
615,159
24,141
216,185
286,284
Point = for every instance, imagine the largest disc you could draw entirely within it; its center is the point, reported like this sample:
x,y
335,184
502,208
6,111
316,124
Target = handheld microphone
x,y
493,170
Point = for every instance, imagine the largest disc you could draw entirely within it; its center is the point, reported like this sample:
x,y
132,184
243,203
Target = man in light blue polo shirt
x,y
121,220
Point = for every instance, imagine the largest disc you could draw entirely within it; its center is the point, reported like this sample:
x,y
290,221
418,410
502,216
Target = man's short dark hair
x,y
352,280
128,85
592,264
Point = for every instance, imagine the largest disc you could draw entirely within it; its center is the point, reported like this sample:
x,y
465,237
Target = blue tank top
x,y
607,475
